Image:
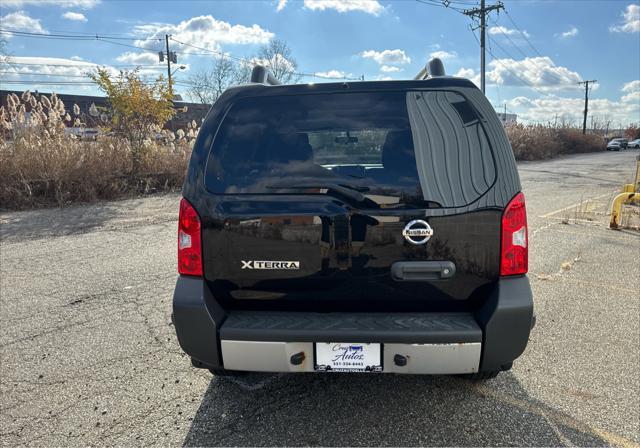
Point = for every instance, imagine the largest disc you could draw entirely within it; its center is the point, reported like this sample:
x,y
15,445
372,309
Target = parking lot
x,y
89,356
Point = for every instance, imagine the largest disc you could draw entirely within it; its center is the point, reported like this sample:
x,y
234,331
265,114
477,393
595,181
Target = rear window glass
x,y
396,148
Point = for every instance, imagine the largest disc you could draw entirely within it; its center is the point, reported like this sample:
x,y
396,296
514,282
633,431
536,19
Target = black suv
x,y
366,226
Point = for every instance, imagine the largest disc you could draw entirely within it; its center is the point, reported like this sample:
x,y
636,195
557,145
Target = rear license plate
x,y
348,357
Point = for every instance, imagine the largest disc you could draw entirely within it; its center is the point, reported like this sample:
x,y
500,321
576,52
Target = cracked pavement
x,y
89,357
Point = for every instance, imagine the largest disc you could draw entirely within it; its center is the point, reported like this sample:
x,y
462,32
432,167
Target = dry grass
x,y
41,165
537,142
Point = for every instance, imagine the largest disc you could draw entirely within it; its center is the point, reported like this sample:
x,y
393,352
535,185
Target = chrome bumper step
x,y
276,356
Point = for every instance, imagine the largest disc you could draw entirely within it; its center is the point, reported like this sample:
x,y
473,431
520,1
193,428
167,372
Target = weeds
x,y
537,142
41,164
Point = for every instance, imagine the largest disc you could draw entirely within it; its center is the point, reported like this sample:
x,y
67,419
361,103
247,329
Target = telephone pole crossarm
x,y
477,12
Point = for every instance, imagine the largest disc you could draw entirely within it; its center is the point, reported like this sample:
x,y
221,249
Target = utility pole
x,y
166,38
586,102
481,13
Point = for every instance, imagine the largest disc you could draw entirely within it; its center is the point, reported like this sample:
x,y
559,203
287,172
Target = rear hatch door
x,y
351,201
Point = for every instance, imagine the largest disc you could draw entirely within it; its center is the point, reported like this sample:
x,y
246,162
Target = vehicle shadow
x,y
378,410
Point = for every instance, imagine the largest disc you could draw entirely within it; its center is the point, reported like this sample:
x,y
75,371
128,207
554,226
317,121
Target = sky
x,y
537,50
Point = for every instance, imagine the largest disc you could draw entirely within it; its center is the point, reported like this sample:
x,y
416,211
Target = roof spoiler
x,y
434,67
261,75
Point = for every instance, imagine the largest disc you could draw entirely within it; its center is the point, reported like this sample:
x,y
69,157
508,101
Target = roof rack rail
x,y
434,67
261,75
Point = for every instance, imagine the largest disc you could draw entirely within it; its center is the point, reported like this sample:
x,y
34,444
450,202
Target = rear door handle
x,y
422,271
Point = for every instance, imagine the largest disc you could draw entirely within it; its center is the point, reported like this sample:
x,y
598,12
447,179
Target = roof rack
x,y
434,67
261,75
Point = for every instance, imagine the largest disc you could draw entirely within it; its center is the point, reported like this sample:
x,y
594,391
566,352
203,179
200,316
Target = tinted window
x,y
399,148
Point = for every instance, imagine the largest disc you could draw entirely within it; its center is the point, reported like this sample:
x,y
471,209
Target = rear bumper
x,y
432,343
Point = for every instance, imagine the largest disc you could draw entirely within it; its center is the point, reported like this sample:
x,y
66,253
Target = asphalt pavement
x,y
88,355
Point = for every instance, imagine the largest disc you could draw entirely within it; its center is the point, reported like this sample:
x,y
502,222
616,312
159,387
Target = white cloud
x,y
20,21
465,73
540,72
572,32
368,6
633,97
571,109
508,31
75,16
630,21
387,57
441,54
202,31
633,92
131,57
389,69
632,86
84,4
332,74
281,5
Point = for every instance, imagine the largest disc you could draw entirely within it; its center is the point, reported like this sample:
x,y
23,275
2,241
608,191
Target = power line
x,y
515,75
96,37
559,80
526,38
503,33
71,36
253,63
496,84
445,4
40,74
81,64
482,13
48,82
56,75
557,77
110,39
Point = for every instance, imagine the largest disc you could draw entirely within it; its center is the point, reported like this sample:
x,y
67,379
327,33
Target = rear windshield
x,y
396,148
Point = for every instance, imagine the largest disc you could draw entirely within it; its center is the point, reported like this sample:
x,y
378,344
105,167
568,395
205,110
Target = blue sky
x,y
538,50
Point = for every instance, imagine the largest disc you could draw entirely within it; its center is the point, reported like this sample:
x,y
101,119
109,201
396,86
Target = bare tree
x,y
206,87
277,57
243,72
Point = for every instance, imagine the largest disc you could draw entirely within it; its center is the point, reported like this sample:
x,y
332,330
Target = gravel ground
x,y
89,356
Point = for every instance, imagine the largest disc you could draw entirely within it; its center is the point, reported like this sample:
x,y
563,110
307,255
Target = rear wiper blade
x,y
352,192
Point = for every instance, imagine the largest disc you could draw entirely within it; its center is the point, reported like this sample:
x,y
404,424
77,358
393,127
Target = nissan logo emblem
x,y
417,232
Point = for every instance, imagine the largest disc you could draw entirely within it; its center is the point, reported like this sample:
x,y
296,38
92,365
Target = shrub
x,y
42,164
537,142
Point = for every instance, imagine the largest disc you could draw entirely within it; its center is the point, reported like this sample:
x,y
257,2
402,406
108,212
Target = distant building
x,y
507,118
194,111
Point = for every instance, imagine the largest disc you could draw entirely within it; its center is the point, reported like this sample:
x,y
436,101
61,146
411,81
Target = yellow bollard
x,y
630,193
616,207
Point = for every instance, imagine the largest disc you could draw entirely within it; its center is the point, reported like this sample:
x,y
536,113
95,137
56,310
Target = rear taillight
x,y
514,255
189,243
